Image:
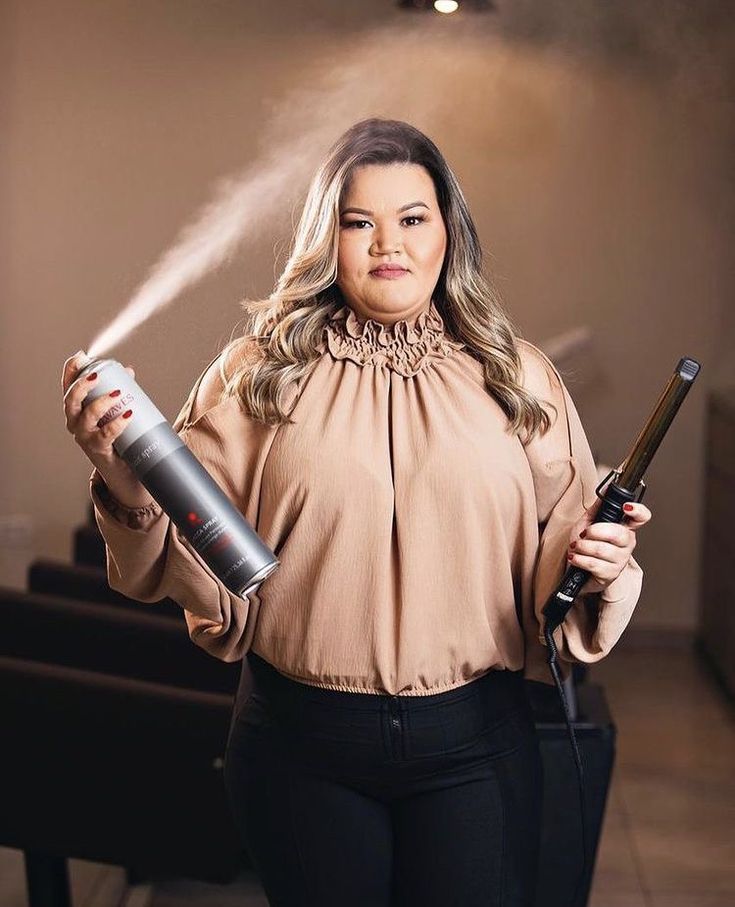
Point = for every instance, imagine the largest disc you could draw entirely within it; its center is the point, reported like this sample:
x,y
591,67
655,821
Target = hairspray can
x,y
196,504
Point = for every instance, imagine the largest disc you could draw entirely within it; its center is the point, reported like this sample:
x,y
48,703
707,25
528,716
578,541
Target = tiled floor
x,y
669,834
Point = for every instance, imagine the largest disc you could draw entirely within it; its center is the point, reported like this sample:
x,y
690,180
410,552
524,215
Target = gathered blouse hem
x,y
354,688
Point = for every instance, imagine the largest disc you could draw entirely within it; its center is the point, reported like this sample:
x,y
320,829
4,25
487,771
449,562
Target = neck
x,y
390,318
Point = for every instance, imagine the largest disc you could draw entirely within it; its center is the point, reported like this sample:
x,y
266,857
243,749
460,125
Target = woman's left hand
x,y
604,549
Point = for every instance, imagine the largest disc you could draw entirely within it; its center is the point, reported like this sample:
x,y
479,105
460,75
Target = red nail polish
x,y
583,533
627,507
128,414
570,556
573,545
92,376
115,393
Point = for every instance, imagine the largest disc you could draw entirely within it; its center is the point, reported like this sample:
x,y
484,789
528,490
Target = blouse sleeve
x,y
565,479
149,559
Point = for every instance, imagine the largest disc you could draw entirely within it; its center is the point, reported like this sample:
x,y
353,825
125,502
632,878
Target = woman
x,y
384,428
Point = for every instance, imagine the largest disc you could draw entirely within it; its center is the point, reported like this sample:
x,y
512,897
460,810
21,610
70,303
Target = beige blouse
x,y
418,538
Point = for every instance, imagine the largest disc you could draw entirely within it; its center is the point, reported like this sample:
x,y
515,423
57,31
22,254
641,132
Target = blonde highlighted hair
x,y
280,347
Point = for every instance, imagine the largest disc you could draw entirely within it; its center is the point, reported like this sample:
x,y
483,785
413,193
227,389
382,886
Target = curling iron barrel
x,y
168,469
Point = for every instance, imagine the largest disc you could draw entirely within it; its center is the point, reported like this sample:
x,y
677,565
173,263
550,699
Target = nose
x,y
385,243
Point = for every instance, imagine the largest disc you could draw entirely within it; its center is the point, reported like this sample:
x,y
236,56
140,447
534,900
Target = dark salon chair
x,y
115,727
93,636
84,583
561,836
88,546
113,770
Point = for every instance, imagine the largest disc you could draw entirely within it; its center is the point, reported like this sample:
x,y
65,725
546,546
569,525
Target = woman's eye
x,y
356,223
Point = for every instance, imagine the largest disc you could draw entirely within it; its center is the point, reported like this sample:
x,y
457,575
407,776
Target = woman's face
x,y
390,216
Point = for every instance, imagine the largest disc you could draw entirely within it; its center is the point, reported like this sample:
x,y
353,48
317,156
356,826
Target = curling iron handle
x,y
611,511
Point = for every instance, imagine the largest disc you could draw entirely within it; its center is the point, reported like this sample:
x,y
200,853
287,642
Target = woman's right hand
x,y
96,439
84,422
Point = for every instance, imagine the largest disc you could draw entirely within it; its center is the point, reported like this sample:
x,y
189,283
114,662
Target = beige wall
x,y
598,180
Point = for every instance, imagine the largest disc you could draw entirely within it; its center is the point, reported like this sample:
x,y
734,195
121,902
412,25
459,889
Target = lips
x,y
389,272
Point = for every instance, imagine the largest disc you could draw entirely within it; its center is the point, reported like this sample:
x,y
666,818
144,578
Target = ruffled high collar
x,y
402,347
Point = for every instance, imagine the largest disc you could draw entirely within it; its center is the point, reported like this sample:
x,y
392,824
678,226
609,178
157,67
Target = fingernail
x,y
583,533
92,376
627,507
573,545
115,393
570,556
128,414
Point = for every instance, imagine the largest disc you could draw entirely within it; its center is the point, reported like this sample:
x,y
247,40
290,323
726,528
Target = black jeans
x,y
370,800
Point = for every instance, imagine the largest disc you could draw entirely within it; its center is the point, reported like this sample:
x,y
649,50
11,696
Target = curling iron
x,y
626,483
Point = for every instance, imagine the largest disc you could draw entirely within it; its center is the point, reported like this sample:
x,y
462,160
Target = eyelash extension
x,y
418,217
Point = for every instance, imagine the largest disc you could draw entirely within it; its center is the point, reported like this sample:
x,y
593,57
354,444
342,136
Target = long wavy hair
x,y
280,347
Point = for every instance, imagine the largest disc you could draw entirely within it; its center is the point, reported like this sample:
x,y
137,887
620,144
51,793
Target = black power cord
x,y
548,636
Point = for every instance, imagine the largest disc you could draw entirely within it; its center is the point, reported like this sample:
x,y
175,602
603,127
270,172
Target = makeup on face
x,y
392,241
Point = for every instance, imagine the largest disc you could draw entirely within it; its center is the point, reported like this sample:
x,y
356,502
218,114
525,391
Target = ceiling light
x,y
431,6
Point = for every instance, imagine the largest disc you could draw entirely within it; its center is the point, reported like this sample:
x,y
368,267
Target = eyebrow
x,y
369,213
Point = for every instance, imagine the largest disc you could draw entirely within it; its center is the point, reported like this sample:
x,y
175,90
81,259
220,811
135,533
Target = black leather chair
x,y
113,770
85,583
561,835
115,727
93,636
88,546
